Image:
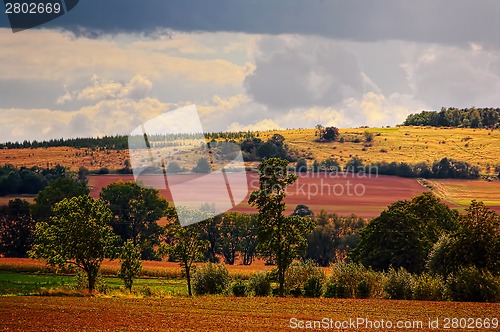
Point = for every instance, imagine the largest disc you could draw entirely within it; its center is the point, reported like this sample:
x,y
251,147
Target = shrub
x,y
259,284
296,292
357,281
298,273
103,170
427,288
60,291
301,166
364,289
473,285
82,282
239,288
335,290
313,287
147,291
173,167
131,263
210,278
398,285
202,166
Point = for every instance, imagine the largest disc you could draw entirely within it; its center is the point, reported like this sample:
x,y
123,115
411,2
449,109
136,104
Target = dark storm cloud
x,y
303,72
447,21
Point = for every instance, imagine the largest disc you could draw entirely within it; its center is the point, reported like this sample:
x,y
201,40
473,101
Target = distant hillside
x,y
478,147
412,145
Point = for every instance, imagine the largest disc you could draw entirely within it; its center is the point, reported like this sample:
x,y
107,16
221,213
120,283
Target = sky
x,y
105,67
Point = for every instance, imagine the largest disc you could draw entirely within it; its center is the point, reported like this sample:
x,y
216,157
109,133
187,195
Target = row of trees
x,y
454,117
15,181
120,142
135,212
117,142
445,168
82,231
425,235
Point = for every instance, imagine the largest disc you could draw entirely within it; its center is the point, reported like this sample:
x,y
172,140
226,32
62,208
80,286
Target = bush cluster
x,y
210,278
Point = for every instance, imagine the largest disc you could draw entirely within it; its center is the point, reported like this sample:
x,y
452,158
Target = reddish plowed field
x,y
363,196
222,313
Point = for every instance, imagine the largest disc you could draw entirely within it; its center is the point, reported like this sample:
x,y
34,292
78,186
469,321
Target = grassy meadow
x,y
412,145
462,192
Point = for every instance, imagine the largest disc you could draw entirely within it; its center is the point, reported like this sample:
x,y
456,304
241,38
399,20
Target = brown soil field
x,y
218,313
68,157
343,194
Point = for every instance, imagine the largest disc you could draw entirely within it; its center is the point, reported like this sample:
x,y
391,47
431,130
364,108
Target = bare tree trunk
x,y
188,279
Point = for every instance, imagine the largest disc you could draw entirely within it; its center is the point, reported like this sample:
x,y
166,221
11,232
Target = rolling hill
x,y
478,147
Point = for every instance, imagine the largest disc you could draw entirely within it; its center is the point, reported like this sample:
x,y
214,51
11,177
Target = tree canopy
x,y
55,192
281,238
185,244
454,117
77,235
404,233
16,228
136,210
474,243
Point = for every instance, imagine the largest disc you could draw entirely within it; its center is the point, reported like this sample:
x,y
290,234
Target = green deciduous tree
x,y
131,264
77,235
403,235
184,244
136,210
237,235
478,237
332,238
16,228
56,191
475,242
327,134
281,238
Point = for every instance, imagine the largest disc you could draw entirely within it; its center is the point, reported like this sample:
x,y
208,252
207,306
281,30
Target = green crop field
x,y
462,192
36,284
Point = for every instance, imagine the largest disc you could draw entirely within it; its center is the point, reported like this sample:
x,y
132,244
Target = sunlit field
x,y
478,147
218,313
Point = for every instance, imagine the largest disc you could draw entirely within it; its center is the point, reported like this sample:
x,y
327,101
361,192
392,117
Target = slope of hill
x,y
478,147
